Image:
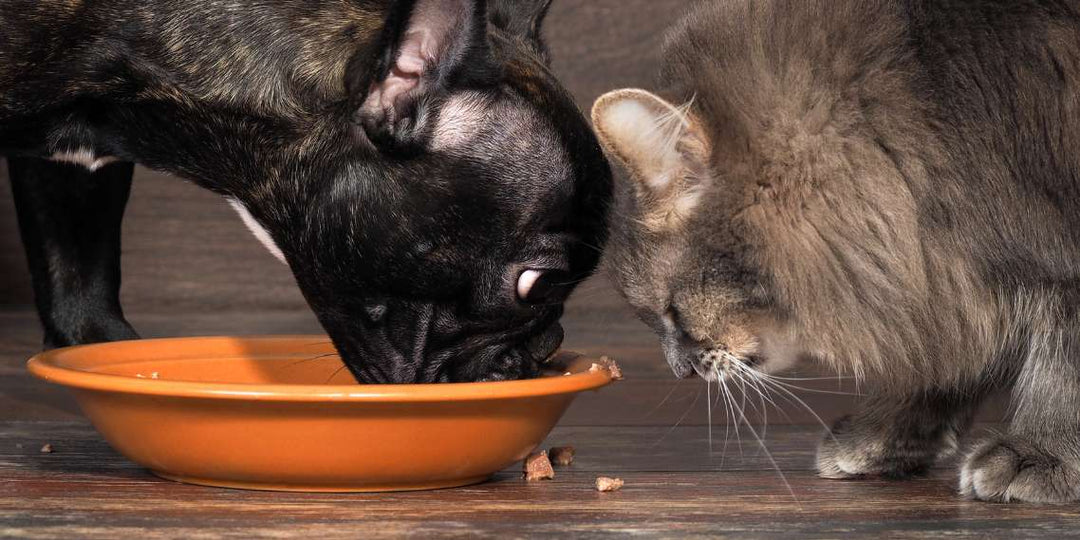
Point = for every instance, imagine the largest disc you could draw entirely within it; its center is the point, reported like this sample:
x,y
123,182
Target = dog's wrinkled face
x,y
449,257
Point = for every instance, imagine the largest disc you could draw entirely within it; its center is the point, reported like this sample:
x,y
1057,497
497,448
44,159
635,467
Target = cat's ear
x,y
427,48
522,19
660,144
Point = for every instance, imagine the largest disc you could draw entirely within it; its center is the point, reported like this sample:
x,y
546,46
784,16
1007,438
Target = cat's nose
x,y
714,363
709,363
679,357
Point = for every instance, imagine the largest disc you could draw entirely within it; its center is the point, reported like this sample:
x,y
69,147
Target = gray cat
x,y
890,188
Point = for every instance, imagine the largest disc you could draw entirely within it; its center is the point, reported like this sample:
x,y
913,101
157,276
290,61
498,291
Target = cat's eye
x,y
542,286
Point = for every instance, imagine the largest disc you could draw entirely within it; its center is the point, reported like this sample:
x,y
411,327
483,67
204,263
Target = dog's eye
x,y
542,286
526,281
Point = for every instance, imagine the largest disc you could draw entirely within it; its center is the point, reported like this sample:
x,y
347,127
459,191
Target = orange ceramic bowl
x,y
282,413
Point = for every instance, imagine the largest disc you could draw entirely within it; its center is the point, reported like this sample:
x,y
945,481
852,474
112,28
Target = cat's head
x,y
677,251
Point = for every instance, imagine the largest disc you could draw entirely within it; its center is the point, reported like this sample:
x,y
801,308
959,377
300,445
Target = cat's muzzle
x,y
709,363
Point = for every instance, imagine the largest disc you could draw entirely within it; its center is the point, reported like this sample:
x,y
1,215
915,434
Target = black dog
x,y
434,190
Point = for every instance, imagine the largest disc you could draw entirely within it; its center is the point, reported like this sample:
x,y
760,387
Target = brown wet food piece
x,y
538,467
606,484
607,363
561,455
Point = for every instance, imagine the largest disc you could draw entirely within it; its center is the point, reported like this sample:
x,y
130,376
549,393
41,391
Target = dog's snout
x,y
375,312
541,346
525,361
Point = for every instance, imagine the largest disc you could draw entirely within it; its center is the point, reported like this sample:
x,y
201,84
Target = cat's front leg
x,y
1038,459
895,436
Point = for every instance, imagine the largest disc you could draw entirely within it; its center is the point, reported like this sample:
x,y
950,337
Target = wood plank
x,y
86,490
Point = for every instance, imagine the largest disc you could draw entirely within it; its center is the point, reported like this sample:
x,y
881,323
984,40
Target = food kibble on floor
x,y
46,449
606,484
538,467
561,455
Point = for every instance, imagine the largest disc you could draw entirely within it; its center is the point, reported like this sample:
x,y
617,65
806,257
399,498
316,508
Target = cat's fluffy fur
x,y
890,187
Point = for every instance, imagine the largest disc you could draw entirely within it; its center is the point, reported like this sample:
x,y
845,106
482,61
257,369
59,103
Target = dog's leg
x,y
1038,459
69,218
896,437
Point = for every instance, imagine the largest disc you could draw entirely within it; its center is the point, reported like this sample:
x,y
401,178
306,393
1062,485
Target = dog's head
x,y
473,200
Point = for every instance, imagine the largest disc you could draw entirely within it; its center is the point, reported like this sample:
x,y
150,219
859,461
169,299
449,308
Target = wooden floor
x,y
648,430
674,487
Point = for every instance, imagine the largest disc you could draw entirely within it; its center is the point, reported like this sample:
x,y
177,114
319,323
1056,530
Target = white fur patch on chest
x,y
257,229
84,157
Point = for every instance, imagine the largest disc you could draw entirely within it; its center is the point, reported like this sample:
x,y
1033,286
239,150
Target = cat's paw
x,y
851,451
1008,469
844,453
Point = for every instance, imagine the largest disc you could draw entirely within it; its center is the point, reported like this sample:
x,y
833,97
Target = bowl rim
x,y
48,365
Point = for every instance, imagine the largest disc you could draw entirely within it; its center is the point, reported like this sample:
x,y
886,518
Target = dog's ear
x,y
523,19
427,47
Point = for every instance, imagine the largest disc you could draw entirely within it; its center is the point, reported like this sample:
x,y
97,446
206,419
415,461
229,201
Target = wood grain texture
x,y
85,490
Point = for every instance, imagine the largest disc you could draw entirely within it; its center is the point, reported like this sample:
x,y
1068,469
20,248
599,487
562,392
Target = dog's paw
x,y
1007,469
849,451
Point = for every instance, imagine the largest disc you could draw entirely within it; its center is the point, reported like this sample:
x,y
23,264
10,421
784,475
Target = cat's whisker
x,y
781,381
730,412
762,396
796,400
751,376
712,404
666,398
742,401
334,374
769,455
591,246
708,412
743,384
814,390
807,378
747,384
679,421
765,388
316,357
729,416
738,434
